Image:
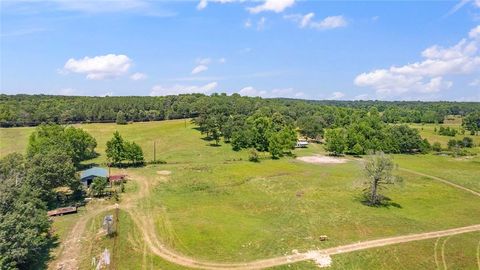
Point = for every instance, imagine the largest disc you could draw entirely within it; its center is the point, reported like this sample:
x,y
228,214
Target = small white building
x,y
301,144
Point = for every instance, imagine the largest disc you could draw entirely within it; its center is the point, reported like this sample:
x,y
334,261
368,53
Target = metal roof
x,y
95,171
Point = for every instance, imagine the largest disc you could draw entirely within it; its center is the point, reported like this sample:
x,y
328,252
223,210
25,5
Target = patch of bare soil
x,y
164,172
317,159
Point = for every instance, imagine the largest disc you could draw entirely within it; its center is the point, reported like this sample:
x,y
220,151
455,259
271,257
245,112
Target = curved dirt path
x,y
145,223
67,259
71,247
442,180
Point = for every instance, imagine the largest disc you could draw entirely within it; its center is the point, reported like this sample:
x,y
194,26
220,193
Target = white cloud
x,y
306,20
222,60
251,92
337,95
159,90
276,6
426,76
138,76
475,32
261,23
279,92
477,3
475,82
330,22
99,67
199,68
204,61
204,3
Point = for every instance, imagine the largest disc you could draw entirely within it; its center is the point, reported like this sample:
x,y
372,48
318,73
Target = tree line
x,y
32,110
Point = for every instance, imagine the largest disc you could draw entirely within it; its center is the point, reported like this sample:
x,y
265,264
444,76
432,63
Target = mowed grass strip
x,y
464,171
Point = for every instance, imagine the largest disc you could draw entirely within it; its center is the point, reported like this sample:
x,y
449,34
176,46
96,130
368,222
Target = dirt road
x,y
71,247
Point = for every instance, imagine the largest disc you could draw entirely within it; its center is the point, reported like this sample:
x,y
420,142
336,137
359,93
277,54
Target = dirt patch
x,y
317,159
164,172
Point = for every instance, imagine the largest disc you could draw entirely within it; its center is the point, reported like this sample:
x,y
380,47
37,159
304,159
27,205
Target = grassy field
x,y
428,131
215,205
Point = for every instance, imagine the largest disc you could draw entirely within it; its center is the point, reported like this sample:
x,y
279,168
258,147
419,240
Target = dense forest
x,y
32,110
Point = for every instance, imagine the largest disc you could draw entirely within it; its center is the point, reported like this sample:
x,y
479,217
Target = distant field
x,y
464,171
428,131
215,205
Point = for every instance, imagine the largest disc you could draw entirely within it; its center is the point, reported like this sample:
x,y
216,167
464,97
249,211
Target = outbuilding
x,y
301,144
86,177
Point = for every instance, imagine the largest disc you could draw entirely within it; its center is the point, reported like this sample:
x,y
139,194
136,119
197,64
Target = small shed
x,y
86,177
117,178
301,144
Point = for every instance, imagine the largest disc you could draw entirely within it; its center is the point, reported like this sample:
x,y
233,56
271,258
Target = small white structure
x,y
301,144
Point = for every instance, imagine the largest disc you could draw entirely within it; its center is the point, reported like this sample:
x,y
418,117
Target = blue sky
x,y
274,48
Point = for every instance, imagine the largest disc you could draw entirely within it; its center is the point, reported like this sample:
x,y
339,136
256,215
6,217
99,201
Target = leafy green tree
x,y
406,139
216,135
253,155
311,126
133,152
116,149
379,172
242,139
471,122
467,142
275,146
48,171
336,141
83,144
260,129
437,147
357,149
452,143
121,120
97,188
75,142
23,218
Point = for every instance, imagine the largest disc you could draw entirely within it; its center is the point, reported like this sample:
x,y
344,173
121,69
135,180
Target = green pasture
x,y
216,205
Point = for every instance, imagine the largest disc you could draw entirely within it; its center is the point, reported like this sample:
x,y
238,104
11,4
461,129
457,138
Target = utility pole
x,y
154,151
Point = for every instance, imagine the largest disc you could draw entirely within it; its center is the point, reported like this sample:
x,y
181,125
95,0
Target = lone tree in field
x,y
378,168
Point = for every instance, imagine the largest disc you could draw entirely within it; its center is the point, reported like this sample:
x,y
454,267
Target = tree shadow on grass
x,y
385,202
214,145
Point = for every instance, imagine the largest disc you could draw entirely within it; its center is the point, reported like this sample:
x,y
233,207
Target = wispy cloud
x,y
306,21
142,7
23,32
278,92
160,90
